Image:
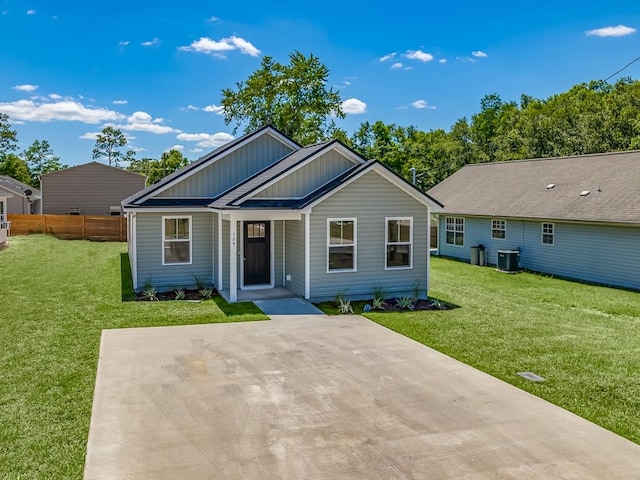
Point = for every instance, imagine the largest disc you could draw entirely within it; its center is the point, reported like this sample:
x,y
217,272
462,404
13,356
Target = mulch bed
x,y
391,305
171,295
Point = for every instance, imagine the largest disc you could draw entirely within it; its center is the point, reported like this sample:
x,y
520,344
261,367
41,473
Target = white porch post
x,y
219,251
233,260
307,256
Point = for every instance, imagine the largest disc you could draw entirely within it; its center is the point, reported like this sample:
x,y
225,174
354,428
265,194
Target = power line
x,y
627,65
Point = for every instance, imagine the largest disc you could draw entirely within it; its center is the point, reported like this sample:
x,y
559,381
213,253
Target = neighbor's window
x,y
115,210
499,229
176,245
1,211
74,210
547,233
399,235
454,231
341,244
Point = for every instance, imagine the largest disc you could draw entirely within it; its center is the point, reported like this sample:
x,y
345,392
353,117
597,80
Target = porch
x,y
259,294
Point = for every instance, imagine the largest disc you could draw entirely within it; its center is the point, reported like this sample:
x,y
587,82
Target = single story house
x,y
23,200
263,212
89,189
4,223
576,217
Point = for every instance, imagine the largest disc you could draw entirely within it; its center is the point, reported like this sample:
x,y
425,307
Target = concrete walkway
x,y
316,397
287,306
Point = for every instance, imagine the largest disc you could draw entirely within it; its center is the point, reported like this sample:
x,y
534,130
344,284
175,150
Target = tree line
x,y
593,117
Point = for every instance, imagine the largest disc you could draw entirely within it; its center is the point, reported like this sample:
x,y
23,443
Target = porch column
x,y
233,260
307,256
219,252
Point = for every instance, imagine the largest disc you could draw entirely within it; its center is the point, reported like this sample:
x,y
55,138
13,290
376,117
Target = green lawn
x,y
585,340
57,296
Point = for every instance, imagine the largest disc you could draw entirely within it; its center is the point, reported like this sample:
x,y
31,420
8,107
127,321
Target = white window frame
x,y
446,230
387,243
551,234
503,229
354,244
190,240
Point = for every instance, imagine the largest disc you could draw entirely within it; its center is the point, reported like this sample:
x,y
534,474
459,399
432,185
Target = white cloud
x,y
442,60
175,147
150,43
31,12
26,87
387,57
353,106
418,55
90,135
213,19
195,150
218,47
119,102
192,107
618,31
421,104
479,53
206,139
143,122
219,109
40,110
55,96
396,66
123,43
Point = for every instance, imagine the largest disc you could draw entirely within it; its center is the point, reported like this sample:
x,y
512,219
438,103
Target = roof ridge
x,y
565,157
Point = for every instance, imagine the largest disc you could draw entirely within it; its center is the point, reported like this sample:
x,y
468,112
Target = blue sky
x,y
156,69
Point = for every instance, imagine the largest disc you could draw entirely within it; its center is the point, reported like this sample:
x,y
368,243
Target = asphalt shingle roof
x,y
17,187
518,188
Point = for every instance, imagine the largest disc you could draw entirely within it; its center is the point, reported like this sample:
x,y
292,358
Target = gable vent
x,y
550,186
584,193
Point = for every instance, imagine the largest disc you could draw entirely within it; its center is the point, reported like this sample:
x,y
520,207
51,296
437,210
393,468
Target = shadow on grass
x,y
235,309
126,281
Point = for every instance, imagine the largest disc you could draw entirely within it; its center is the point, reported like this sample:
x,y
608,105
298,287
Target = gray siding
x,y
308,178
166,277
369,199
92,187
294,238
230,170
19,205
594,253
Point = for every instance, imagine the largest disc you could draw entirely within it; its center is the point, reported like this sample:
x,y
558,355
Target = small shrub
x,y
344,306
180,295
378,303
416,289
149,292
199,283
406,303
206,293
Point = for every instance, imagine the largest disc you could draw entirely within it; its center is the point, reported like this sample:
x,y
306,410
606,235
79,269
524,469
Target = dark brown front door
x,y
257,253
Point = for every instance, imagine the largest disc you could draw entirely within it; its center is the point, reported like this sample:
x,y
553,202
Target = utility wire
x,y
627,65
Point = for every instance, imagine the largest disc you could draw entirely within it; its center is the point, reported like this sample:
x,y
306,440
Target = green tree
x,y
13,166
8,137
292,97
108,144
40,159
156,170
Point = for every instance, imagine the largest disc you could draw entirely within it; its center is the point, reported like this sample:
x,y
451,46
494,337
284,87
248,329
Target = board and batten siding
x,y
369,199
149,253
294,255
229,170
309,177
605,254
93,188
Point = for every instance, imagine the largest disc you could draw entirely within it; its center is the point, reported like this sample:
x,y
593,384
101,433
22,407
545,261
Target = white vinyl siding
x,y
176,244
454,231
547,234
399,242
341,244
498,229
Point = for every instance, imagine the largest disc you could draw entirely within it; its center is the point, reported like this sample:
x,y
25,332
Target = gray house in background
x,y
575,217
4,224
89,189
23,198
263,212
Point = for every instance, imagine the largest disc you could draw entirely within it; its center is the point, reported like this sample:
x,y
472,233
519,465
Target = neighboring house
x,y
575,217
89,189
4,224
23,198
264,212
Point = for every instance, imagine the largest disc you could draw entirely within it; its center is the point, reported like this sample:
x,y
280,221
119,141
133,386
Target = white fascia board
x,y
167,209
348,154
246,214
267,131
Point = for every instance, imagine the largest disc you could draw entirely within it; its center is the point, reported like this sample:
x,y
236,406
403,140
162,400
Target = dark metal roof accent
x,y
175,202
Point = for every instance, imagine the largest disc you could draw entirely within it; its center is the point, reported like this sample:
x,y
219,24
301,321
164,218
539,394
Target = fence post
x,y
45,225
83,220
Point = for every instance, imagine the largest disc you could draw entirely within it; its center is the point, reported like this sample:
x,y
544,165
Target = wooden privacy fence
x,y
434,237
71,227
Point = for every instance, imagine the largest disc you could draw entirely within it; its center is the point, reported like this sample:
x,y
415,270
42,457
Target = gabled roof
x,y
548,188
90,165
18,188
273,172
204,161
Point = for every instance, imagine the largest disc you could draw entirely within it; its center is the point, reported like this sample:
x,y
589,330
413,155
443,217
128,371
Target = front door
x,y
257,253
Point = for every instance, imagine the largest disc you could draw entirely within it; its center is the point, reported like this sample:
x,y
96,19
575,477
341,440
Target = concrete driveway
x,y
315,397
